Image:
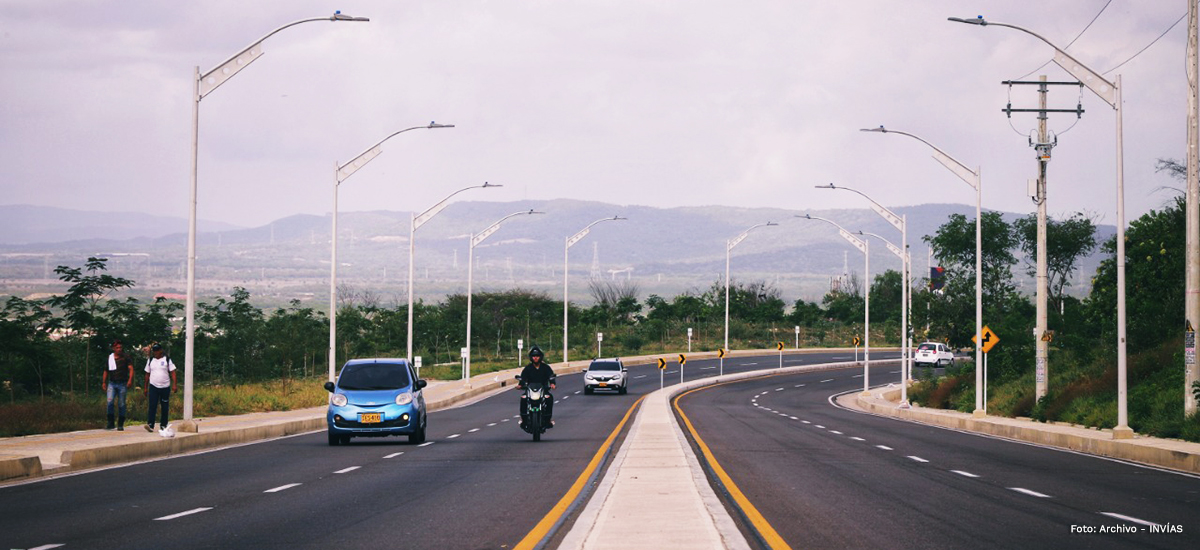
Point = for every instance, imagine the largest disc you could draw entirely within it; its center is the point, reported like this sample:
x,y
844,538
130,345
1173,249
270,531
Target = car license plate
x,y
370,418
603,384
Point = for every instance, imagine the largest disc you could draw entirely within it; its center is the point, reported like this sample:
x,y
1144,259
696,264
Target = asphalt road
x,y
479,482
825,477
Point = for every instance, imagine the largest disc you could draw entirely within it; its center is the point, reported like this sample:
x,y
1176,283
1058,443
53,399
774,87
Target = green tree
x,y
1066,242
886,297
89,285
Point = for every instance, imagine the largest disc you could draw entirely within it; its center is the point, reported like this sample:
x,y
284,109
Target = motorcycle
x,y
537,398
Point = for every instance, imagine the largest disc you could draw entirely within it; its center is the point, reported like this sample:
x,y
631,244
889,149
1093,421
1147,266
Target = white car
x,y
933,354
606,374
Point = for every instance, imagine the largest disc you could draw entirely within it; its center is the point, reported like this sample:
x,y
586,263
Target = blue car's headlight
x,y
404,398
338,400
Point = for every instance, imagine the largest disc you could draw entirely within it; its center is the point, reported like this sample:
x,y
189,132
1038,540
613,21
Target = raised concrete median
x,y
1165,453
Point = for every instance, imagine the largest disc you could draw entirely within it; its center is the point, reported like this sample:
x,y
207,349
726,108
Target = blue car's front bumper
x,y
395,420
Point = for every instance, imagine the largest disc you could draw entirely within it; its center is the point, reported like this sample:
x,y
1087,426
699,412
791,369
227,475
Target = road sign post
x,y
721,360
689,340
520,345
682,361
417,364
779,348
988,342
857,341
599,341
797,336
662,366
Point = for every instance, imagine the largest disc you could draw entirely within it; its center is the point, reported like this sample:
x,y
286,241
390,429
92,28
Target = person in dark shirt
x,y
538,371
117,379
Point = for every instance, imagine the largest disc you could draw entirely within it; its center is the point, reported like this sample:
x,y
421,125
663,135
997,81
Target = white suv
x,y
933,354
606,374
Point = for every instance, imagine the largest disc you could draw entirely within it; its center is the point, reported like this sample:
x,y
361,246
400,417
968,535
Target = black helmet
x,y
536,352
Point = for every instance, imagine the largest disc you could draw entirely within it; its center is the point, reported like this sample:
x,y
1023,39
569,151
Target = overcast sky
x,y
662,103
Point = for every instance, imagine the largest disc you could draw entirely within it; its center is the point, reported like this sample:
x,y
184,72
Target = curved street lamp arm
x,y
954,165
858,243
482,235
1093,80
346,170
583,232
893,248
883,211
213,78
734,241
433,210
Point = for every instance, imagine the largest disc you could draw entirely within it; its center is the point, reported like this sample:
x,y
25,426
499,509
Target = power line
x,y
1089,25
1164,33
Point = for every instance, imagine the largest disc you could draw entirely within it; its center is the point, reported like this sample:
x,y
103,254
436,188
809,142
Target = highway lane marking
x,y
857,439
490,424
917,458
472,430
705,368
672,371
1028,492
884,447
506,420
452,436
964,474
840,357
539,532
46,546
642,376
1130,519
565,397
347,470
826,380
393,455
894,372
778,389
576,393
799,385
836,432
819,426
856,376
181,514
282,488
748,364
426,444
806,422
793,418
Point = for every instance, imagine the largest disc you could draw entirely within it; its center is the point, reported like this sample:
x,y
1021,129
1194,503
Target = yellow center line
x,y
543,527
768,533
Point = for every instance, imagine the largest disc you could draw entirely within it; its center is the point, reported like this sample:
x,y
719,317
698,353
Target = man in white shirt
x,y
160,383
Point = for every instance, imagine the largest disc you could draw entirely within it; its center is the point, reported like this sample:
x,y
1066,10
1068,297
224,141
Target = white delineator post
x,y
204,84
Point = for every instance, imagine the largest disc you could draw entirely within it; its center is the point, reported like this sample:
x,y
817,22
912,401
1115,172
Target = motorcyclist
x,y
537,371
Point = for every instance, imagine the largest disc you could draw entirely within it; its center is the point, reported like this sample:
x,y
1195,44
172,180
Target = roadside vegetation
x,y
1082,359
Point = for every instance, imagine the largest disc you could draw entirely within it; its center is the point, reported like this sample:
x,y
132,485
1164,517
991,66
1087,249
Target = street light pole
x,y
1111,93
903,255
900,223
567,244
202,85
728,249
418,221
863,246
475,240
341,173
975,180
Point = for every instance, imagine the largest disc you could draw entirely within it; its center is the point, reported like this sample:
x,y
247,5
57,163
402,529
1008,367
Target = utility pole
x,y
1192,212
1045,143
1043,147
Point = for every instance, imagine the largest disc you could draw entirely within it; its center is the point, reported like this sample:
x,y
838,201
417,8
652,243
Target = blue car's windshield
x,y
374,376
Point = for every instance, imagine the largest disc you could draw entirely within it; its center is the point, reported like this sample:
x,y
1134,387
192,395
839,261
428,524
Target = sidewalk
x,y
1165,453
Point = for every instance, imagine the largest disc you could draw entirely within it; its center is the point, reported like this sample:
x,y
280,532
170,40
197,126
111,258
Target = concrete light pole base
x,y
979,413
189,426
1122,433
865,393
904,405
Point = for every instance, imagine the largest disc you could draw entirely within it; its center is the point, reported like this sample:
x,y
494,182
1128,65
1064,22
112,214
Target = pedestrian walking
x,y
115,382
160,383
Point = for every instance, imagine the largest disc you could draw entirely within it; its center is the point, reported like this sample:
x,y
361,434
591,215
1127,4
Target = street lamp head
x,y
339,16
486,184
979,20
436,125
769,224
880,129
805,216
618,218
830,186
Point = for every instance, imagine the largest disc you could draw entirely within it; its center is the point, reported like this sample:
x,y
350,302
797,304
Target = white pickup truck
x,y
933,354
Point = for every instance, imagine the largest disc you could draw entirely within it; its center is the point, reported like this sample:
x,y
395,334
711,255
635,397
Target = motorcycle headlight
x,y
338,400
404,398
535,397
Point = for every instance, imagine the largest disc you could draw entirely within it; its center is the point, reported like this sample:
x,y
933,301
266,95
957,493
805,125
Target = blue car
x,y
376,398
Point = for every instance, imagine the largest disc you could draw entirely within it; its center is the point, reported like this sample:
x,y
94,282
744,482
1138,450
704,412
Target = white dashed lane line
x,y
819,426
181,514
827,380
46,546
806,422
856,376
428,443
884,447
472,430
793,418
393,455
917,459
1123,517
282,488
778,389
452,436
1028,492
835,432
642,376
857,439
799,385
347,470
964,474
672,371
706,368
749,364
576,393
490,424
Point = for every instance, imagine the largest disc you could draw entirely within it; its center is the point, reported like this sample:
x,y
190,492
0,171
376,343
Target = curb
x,y
1129,450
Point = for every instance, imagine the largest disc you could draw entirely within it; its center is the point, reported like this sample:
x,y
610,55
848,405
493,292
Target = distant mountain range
x,y
664,250
25,224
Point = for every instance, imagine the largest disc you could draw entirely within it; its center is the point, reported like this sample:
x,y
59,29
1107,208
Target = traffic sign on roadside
x,y
989,340
1048,336
720,353
662,363
779,346
857,341
682,359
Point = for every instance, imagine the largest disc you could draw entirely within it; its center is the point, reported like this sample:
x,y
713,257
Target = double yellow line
x,y
543,527
768,533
